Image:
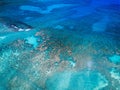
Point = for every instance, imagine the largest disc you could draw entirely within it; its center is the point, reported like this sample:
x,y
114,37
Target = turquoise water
x,y
60,45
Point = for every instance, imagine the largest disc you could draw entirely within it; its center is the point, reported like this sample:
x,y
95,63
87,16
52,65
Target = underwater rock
x,y
11,30
14,24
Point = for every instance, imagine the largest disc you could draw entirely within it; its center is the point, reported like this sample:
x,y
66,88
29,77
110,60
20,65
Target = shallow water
x,y
59,45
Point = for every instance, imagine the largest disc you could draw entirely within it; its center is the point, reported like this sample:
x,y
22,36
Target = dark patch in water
x,y
113,8
3,3
14,24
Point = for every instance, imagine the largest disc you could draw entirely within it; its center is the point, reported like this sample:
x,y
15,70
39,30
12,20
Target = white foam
x,y
20,29
27,29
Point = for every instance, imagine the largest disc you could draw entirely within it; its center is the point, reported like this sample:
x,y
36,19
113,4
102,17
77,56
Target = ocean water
x,y
59,44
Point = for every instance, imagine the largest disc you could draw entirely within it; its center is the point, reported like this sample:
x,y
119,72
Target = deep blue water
x,y
60,45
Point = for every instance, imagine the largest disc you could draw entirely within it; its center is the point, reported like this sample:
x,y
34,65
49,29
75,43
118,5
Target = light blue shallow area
x,y
86,80
115,59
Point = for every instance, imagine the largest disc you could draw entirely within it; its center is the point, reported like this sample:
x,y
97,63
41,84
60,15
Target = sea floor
x,y
59,45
